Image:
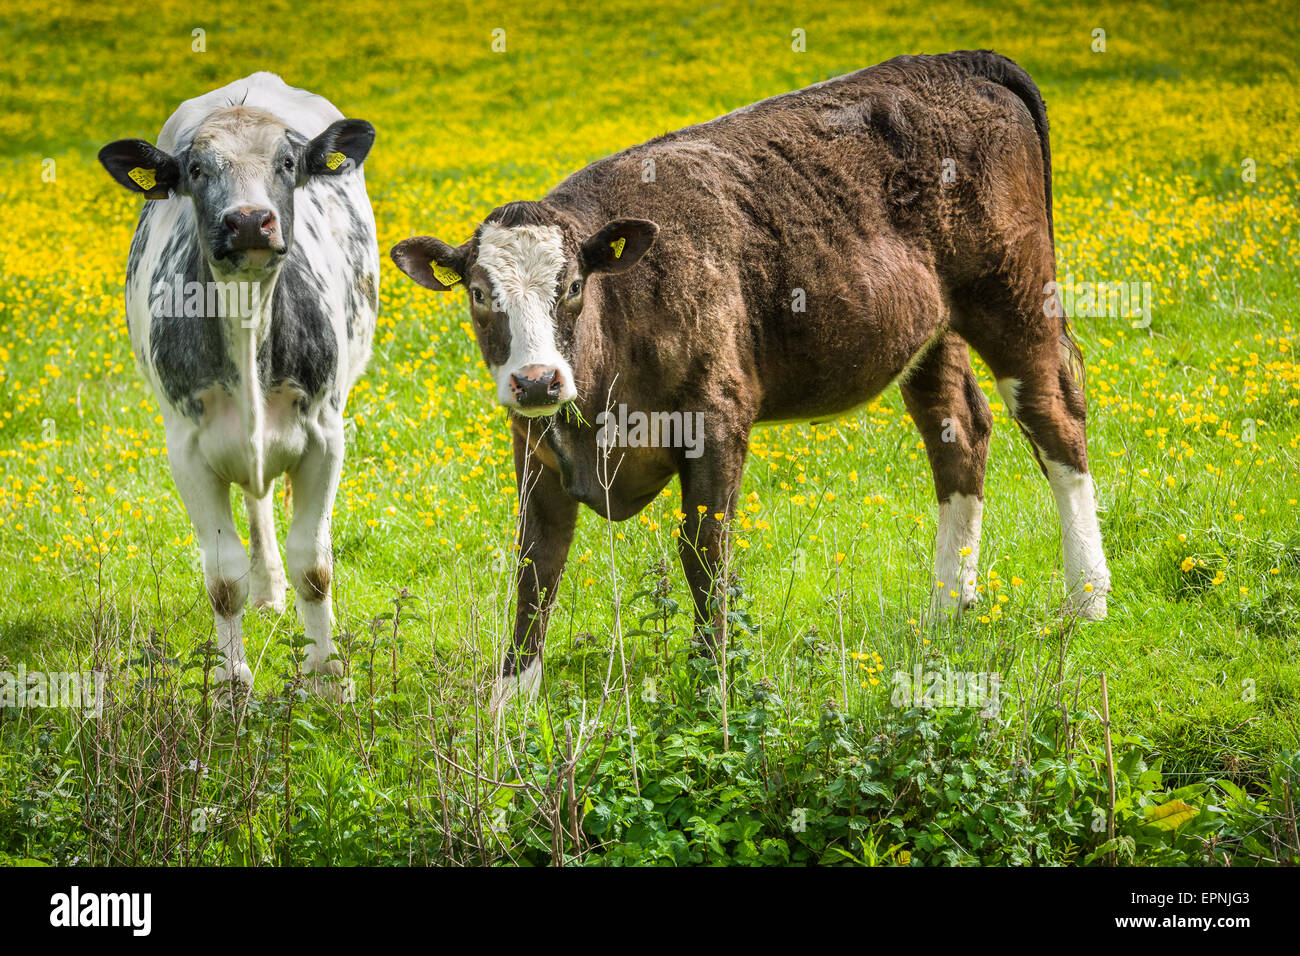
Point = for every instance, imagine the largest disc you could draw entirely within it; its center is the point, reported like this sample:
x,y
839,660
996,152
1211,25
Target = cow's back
x,y
820,222
798,176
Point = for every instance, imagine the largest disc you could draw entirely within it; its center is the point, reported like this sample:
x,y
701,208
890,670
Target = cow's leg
x,y
547,518
1048,406
953,417
268,583
309,547
1030,355
225,564
710,488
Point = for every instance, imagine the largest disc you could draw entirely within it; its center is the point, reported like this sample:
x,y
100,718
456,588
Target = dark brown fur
x,y
316,584
227,597
836,190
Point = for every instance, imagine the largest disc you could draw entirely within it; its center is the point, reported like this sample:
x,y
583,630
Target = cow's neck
x,y
250,315
245,331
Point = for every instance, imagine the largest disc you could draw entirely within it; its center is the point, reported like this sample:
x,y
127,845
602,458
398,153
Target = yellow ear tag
x,y
447,277
144,178
617,245
334,160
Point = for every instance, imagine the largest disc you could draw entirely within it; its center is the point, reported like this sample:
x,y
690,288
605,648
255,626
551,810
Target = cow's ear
x,y
141,167
618,246
431,262
342,147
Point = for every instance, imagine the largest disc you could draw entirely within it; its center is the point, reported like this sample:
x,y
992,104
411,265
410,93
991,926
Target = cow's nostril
x,y
250,227
536,385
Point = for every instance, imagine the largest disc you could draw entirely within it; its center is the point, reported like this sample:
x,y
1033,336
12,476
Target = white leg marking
x,y
526,682
1087,579
308,546
1008,388
230,642
225,565
268,584
957,552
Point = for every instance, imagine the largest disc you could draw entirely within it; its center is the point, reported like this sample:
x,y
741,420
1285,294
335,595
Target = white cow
x,y
252,289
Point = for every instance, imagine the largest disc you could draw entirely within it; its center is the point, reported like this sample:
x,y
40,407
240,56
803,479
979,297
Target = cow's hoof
x,y
703,649
945,607
326,681
231,687
269,601
239,674
525,683
1088,605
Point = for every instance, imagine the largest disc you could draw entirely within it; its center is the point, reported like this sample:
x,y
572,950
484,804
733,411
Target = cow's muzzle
x,y
538,389
251,228
249,235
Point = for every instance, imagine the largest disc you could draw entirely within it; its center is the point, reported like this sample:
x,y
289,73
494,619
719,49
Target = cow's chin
x,y
536,411
254,262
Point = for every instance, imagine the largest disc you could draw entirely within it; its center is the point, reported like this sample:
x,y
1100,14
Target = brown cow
x,y
796,257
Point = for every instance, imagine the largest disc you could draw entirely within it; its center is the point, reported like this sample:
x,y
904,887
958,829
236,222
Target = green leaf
x,y
1170,815
1123,847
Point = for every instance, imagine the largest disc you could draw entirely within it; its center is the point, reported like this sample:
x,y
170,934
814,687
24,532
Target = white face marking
x,y
522,263
242,143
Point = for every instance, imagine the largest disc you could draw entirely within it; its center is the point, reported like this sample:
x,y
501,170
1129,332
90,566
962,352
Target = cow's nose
x,y
251,228
537,385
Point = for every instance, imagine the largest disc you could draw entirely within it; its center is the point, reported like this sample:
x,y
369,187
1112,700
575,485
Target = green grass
x,y
1202,671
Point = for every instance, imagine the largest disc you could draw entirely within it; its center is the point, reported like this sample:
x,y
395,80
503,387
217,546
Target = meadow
x,y
1174,153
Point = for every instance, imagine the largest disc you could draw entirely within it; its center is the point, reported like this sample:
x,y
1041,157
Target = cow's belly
x,y
860,331
223,434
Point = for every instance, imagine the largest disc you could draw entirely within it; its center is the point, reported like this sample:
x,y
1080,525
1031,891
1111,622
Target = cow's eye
x,y
477,295
288,164
575,288
195,171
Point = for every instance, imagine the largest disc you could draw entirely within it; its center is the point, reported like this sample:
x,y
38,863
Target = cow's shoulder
x,y
187,348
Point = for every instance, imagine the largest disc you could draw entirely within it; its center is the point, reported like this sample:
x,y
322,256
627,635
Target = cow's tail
x,y
997,68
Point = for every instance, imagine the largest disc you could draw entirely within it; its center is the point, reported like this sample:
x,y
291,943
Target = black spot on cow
x,y
301,347
138,242
189,352
364,292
